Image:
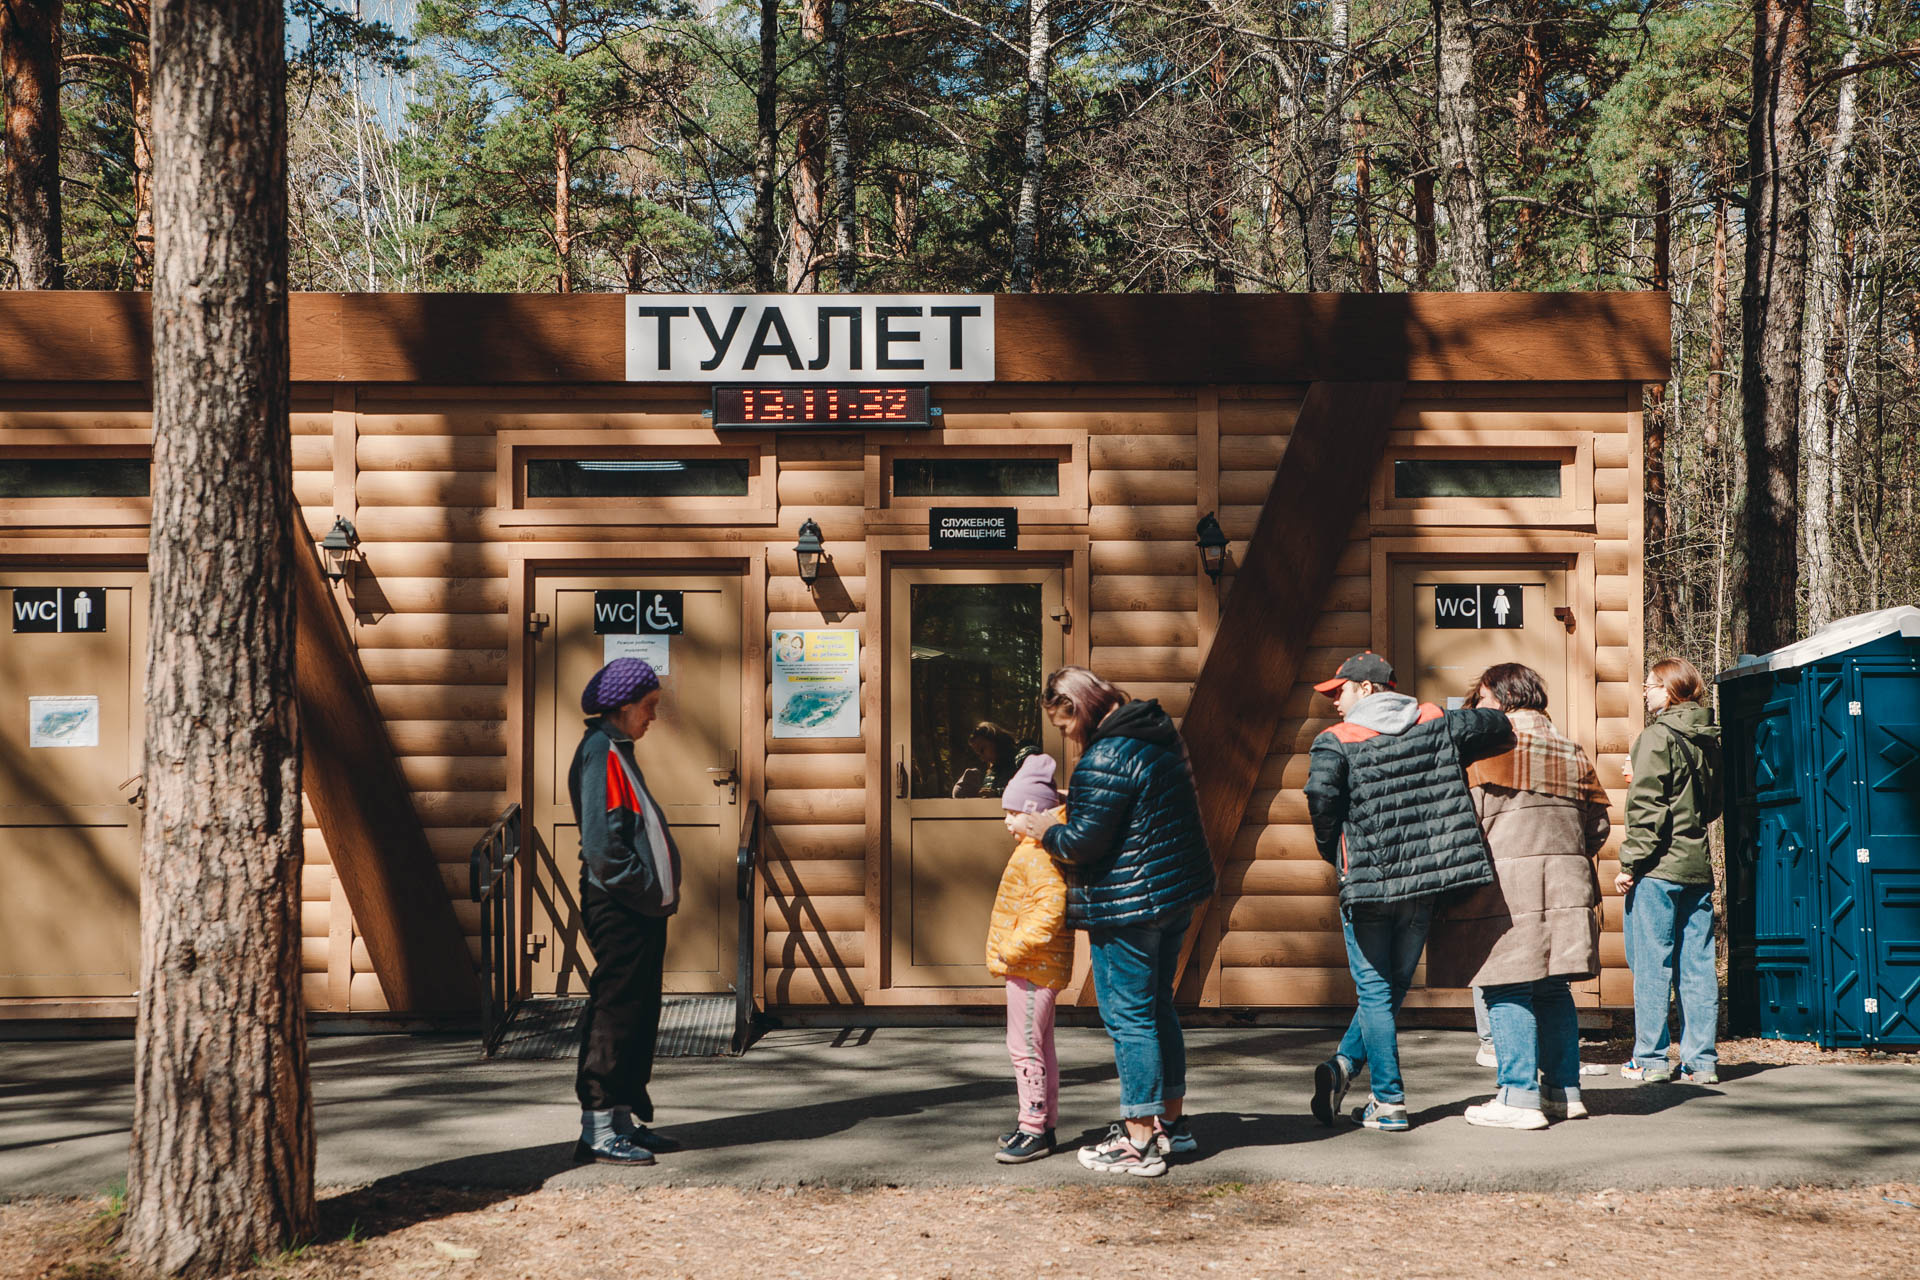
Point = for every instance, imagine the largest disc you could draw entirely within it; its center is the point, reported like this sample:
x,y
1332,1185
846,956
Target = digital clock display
x,y
788,407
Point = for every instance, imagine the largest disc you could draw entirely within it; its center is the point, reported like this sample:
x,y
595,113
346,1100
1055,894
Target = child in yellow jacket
x,y
1029,946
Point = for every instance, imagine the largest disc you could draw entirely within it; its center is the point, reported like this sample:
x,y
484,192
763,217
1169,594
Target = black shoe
x,y
641,1136
1020,1146
1330,1081
617,1149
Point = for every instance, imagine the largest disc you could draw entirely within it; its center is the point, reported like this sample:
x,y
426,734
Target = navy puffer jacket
x,y
1132,846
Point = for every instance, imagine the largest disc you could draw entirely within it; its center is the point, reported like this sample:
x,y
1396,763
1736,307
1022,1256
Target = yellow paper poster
x,y
816,684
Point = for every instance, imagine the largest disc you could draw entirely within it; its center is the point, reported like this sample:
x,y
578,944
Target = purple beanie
x,y
621,681
1031,790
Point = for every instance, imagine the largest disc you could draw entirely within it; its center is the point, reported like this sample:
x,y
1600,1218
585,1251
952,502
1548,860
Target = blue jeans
x,y
1671,927
1133,969
1383,950
1535,1030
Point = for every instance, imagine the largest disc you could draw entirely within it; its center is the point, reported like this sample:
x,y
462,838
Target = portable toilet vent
x,y
1822,742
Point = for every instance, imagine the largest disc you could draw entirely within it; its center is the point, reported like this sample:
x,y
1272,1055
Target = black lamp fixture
x,y
339,544
808,550
1212,541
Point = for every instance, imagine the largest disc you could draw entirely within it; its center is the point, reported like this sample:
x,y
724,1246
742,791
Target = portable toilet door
x,y
1835,852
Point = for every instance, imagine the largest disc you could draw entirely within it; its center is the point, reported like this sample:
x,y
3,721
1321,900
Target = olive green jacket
x,y
1674,797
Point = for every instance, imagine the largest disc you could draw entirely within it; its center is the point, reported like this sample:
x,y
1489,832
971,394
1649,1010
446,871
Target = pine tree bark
x,y
1463,183
30,80
1530,134
1220,182
1426,238
840,150
1329,142
221,1168
1654,446
1717,305
806,184
1033,154
1765,551
766,234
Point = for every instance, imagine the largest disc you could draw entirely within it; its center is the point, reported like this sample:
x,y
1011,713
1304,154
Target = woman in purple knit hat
x,y
629,885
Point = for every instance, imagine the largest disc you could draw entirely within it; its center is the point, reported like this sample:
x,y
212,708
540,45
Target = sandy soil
x,y
604,1233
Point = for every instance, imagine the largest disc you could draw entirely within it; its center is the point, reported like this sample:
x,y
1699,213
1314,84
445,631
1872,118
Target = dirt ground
x,y
604,1233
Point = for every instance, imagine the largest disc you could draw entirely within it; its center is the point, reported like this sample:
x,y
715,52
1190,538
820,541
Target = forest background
x,y
1139,146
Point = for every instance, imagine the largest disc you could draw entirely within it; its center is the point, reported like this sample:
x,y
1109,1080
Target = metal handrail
x,y
745,866
493,884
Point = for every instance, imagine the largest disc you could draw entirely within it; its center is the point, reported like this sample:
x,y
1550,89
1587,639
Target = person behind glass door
x,y
629,886
1666,876
1000,756
1137,864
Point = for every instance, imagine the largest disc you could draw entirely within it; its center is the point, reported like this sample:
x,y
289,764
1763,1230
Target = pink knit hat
x,y
1031,790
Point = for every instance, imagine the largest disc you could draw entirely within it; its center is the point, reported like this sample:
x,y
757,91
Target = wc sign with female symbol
x,y
60,609
1479,605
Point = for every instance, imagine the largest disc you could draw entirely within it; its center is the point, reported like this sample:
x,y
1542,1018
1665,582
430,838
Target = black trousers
x,y
622,1021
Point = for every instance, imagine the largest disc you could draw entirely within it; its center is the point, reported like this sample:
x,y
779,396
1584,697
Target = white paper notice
x,y
651,650
816,684
63,722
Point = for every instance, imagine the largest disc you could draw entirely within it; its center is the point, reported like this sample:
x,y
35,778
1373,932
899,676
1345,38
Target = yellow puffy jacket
x,y
1028,937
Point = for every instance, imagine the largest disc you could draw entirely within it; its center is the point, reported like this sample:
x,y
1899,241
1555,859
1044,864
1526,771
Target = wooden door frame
x,y
1573,553
1069,552
530,561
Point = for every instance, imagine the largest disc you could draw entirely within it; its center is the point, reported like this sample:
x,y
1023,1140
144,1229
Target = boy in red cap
x,y
1387,790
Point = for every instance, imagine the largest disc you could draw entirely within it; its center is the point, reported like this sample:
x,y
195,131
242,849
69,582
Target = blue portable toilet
x,y
1822,742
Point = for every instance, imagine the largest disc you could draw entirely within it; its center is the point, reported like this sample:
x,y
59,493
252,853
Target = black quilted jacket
x,y
1390,805
1132,845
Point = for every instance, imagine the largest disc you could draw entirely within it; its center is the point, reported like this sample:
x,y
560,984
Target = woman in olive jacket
x,y
1136,862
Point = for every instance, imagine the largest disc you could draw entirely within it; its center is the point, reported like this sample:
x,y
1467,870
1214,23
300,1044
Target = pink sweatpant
x,y
1036,1069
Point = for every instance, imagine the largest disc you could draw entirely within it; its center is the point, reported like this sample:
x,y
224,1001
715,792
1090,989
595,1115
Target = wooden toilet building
x,y
997,485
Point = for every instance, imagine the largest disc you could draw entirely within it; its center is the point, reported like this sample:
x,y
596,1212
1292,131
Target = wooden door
x,y
1436,663
965,646
71,733
690,759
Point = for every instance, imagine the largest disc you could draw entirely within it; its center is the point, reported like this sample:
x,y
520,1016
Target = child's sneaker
x,y
1021,1146
1116,1154
1499,1115
1174,1139
1646,1075
1330,1081
1699,1075
1387,1117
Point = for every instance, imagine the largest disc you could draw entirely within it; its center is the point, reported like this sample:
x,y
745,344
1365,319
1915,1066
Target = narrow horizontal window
x,y
636,477
75,478
1476,477
976,477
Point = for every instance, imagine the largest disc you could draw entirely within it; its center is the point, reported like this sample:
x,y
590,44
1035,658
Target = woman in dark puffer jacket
x,y
1136,862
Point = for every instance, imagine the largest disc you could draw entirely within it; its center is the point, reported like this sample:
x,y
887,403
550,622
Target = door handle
x,y
729,778
900,775
138,796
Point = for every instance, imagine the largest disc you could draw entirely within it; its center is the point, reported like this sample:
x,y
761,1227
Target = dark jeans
x,y
1133,968
622,1020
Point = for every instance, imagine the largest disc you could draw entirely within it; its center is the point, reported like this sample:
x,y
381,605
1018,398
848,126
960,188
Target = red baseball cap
x,y
1361,668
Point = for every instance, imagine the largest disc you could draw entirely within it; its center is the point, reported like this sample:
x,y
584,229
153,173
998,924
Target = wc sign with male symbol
x,y
638,613
1479,605
60,609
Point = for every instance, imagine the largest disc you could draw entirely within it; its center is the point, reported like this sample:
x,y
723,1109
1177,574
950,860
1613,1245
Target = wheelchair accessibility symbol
x,y
639,613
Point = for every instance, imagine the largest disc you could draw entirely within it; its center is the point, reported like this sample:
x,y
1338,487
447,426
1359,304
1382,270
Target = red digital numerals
x,y
825,405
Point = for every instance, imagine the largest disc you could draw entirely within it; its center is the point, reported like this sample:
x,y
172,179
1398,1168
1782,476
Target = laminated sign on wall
x,y
63,722
816,684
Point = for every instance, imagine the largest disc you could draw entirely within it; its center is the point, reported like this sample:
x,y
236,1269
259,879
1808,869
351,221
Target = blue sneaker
x,y
1174,1139
1330,1081
615,1148
1387,1117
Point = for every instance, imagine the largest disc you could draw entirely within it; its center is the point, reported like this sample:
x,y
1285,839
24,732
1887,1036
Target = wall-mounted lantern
x,y
808,550
1212,541
338,546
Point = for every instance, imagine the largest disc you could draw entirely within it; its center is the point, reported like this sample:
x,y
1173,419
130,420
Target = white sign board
x,y
63,722
816,684
809,338
652,650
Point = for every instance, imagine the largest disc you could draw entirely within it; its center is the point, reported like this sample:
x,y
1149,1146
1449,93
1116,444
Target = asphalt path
x,y
921,1106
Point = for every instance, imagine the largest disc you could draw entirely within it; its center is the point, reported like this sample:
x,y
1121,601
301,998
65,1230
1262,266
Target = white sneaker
x,y
1570,1109
1486,1057
1498,1115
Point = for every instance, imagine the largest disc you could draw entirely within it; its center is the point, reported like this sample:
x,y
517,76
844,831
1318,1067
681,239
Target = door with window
x,y
968,651
690,759
1453,621
71,730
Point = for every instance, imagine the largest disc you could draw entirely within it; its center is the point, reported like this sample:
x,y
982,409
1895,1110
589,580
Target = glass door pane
x,y
976,675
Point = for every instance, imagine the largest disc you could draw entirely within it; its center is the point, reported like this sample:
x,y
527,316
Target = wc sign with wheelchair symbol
x,y
638,613
1479,606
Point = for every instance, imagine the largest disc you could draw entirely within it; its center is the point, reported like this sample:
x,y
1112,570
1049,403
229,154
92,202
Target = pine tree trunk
x,y
1530,134
767,137
1463,184
563,208
807,187
1033,154
1426,240
30,79
1659,413
1765,550
1220,183
140,94
1819,426
1717,302
1328,143
840,149
221,1169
